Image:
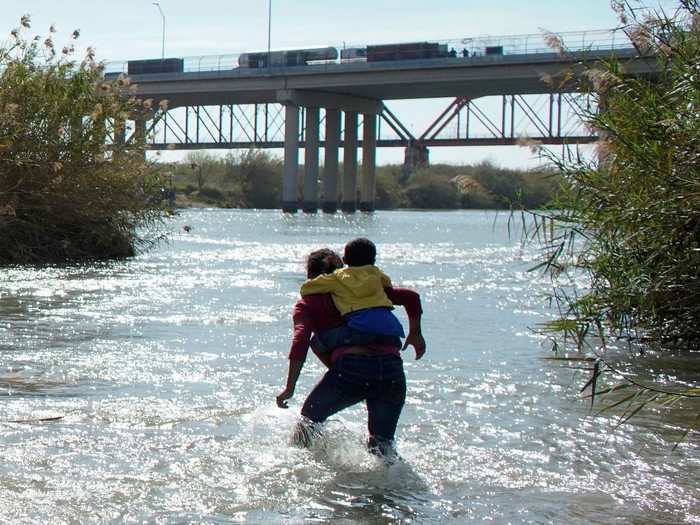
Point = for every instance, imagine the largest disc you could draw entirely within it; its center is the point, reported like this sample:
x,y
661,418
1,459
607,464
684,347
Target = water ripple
x,y
142,391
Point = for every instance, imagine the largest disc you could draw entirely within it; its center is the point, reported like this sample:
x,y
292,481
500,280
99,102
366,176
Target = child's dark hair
x,y
322,261
360,252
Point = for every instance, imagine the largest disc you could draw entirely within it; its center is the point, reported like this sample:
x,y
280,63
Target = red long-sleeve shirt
x,y
315,313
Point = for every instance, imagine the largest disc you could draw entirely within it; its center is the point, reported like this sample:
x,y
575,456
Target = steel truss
x,y
504,121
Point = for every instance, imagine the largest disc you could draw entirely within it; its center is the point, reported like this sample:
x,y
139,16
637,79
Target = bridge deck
x,y
470,77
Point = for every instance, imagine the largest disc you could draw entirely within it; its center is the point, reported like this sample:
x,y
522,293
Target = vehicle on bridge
x,y
287,58
155,65
353,54
305,57
389,52
406,51
377,53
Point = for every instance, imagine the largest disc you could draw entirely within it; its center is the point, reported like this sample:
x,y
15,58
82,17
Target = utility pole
x,y
162,52
269,30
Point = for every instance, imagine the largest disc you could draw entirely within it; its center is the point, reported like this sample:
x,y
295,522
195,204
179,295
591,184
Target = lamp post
x,y
269,30
162,53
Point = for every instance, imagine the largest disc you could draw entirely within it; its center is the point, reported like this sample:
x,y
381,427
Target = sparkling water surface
x,y
163,371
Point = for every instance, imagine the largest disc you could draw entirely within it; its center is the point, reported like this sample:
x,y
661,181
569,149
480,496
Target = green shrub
x,y
64,194
212,194
539,187
261,179
388,192
478,199
427,191
254,179
631,222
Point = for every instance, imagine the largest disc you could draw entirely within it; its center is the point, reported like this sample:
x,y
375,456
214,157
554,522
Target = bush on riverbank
x,y
629,222
63,195
254,179
481,186
636,212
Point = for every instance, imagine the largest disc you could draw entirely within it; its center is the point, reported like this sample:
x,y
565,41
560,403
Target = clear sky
x,y
130,29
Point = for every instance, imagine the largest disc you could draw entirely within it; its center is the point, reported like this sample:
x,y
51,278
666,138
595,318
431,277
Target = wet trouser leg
x,y
385,401
378,380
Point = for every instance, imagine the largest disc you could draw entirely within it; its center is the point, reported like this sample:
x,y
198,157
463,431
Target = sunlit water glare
x,y
164,370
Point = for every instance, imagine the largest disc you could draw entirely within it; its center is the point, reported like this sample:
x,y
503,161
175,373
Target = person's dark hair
x,y
360,252
322,261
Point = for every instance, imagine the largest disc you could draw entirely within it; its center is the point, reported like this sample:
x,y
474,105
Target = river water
x,y
163,371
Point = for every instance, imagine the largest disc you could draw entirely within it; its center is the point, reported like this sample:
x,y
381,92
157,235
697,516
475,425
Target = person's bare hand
x,y
283,396
417,341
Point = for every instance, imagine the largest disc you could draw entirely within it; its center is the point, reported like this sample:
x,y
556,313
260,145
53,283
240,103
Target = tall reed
x,y
630,218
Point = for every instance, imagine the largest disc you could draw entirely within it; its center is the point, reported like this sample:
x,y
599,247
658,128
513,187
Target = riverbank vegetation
x,y
253,179
64,193
629,220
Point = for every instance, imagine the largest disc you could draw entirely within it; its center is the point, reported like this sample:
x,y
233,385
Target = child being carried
x,y
358,294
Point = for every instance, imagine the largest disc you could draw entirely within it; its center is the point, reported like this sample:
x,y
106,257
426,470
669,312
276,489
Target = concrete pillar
x,y
119,132
329,202
76,137
140,134
290,202
349,202
416,156
369,161
310,202
99,133
140,130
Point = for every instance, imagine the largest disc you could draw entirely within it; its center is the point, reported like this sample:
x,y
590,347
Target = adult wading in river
x,y
372,373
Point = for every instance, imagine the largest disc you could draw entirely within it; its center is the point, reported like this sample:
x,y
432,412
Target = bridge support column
x,y
119,130
310,200
329,203
76,133
369,161
349,203
416,156
140,133
290,202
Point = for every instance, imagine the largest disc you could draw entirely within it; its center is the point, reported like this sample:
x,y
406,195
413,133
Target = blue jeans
x,y
379,380
328,340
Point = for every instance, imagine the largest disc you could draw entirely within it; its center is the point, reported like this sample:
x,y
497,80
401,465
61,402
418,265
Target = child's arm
x,y
386,282
324,283
409,299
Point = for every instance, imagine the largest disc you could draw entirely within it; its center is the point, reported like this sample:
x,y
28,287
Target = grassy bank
x,y
254,180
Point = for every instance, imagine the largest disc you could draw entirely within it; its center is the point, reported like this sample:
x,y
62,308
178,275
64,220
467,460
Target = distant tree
x,y
254,179
388,192
203,166
261,177
430,192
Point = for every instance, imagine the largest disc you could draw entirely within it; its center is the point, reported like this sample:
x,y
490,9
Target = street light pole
x,y
162,53
269,29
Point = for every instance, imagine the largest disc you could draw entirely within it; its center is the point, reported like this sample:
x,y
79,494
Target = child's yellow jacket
x,y
353,288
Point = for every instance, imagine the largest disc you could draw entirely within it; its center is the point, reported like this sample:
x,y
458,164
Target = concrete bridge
x,y
346,89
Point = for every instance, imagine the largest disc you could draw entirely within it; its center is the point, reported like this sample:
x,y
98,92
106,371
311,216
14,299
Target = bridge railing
x,y
526,44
